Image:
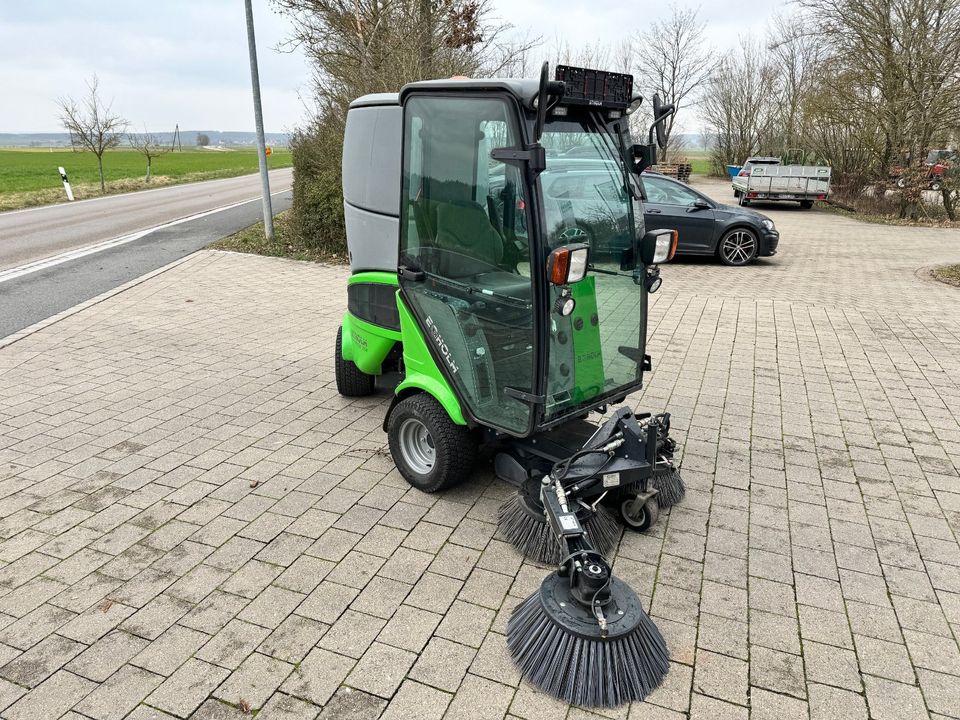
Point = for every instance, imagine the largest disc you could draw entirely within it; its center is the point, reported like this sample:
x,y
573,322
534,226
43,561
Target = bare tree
x,y
737,105
675,60
92,124
148,145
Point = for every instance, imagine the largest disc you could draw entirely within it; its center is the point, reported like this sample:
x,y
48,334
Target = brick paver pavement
x,y
193,522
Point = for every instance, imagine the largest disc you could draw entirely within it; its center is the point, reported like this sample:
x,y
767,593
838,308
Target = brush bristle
x,y
670,486
592,672
534,539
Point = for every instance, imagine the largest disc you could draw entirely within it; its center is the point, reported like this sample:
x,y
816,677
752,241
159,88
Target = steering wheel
x,y
575,234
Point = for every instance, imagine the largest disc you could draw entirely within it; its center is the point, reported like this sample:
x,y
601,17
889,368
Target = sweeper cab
x,y
496,284
500,276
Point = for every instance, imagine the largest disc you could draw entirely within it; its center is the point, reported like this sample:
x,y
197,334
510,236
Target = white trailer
x,y
771,182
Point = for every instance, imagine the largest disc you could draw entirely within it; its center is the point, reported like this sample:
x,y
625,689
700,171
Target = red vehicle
x,y
937,164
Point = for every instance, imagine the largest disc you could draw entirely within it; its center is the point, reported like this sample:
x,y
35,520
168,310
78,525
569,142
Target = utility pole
x,y
258,115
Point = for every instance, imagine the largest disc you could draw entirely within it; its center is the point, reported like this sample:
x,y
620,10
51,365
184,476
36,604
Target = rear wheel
x,y
738,247
737,194
351,382
743,200
430,450
806,204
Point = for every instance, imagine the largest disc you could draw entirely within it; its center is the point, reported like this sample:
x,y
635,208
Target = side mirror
x,y
568,264
642,157
658,246
660,113
699,204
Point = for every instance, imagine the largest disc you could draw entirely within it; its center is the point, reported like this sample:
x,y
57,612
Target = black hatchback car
x,y
737,235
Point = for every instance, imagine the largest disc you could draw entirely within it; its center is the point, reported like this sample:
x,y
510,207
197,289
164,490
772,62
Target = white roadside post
x,y
66,184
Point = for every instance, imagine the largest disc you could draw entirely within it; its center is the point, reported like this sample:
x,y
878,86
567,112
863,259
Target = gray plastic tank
x,y
371,181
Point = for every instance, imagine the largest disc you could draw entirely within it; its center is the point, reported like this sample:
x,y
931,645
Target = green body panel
x,y
384,278
365,344
420,371
588,351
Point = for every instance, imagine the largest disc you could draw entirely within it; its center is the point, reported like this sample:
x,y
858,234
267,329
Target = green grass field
x,y
30,177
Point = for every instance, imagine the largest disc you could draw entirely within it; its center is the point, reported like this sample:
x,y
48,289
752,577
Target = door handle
x,y
653,211
411,274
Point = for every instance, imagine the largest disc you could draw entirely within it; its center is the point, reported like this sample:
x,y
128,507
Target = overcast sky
x,y
185,61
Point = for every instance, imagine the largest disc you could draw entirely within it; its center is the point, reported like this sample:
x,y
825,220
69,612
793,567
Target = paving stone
x,y
187,688
156,616
52,698
233,644
254,681
119,694
708,708
884,659
831,666
480,699
381,670
318,676
443,664
465,623
941,691
107,655
416,700
831,703
766,705
721,677
410,628
890,700
169,651
777,671
285,707
41,661
293,639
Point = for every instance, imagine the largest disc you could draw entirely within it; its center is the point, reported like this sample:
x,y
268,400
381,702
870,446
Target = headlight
x,y
768,224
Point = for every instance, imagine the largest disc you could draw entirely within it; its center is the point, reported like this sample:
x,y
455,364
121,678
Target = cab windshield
x,y
597,350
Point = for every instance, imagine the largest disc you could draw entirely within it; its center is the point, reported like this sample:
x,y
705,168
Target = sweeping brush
x,y
522,522
669,485
570,647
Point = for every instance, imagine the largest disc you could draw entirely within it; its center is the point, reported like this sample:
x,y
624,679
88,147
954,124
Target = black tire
x,y
743,200
737,251
453,447
806,204
642,521
737,194
351,382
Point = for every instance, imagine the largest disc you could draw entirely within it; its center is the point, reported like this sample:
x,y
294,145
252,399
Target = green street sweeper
x,y
499,285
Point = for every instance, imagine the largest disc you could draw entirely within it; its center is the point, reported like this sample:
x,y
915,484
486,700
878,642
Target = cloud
x,y
161,63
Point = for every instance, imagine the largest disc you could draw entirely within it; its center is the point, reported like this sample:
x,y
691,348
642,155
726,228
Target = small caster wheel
x,y
640,518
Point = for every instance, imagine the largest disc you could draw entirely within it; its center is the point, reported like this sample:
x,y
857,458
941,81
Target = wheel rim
x,y
738,247
417,446
631,515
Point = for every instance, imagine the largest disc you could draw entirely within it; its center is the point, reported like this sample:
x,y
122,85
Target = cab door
x,y
464,255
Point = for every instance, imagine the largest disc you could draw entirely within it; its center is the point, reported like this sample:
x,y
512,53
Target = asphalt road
x,y
35,296
35,233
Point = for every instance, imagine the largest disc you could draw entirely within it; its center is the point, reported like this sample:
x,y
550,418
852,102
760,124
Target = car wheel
x,y
806,204
738,247
430,450
743,200
737,194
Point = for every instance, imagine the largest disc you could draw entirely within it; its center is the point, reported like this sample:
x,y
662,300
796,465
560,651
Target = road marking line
x,y
48,262
147,191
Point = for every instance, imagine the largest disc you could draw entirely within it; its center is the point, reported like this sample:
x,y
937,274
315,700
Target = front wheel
x,y
639,516
430,450
738,247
